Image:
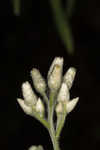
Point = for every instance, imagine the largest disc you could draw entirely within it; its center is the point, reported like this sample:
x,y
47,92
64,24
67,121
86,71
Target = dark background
x,y
32,40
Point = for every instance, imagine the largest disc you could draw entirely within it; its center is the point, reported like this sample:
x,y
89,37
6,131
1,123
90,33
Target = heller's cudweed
x,y
57,101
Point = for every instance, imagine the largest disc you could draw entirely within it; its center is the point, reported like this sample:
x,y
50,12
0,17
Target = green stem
x,y
60,122
51,123
45,98
54,141
62,25
42,120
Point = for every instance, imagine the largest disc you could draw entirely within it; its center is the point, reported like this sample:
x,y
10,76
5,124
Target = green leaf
x,y
62,25
16,7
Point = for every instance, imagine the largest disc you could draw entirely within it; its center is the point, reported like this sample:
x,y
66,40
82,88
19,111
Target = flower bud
x,y
40,147
59,108
63,95
40,107
33,148
69,77
56,61
55,74
38,81
26,109
71,104
36,147
28,94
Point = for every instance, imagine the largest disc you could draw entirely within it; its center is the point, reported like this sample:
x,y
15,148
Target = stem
x,y
54,141
45,98
42,120
60,122
51,123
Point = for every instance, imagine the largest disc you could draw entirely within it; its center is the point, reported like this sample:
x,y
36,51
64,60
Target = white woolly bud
x,y
40,107
71,104
63,95
36,147
69,77
33,148
55,74
40,147
54,81
56,61
26,109
59,108
28,94
38,81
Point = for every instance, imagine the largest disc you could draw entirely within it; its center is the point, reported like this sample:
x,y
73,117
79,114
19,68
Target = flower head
x,y
63,94
26,109
28,94
36,147
58,85
38,81
64,98
40,107
69,77
55,74
71,104
57,98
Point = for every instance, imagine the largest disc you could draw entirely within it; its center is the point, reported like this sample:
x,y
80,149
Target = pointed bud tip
x,y
55,74
25,83
63,94
57,61
25,86
40,107
38,80
34,71
28,94
26,109
36,147
33,148
72,69
69,77
71,104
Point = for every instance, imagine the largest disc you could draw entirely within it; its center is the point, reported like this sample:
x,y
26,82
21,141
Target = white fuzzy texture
x,y
59,108
26,109
36,147
71,104
64,94
63,97
39,107
33,148
56,61
69,77
28,94
38,80
55,74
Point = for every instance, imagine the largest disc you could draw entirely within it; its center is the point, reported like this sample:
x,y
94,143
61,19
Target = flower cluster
x,y
57,83
56,95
